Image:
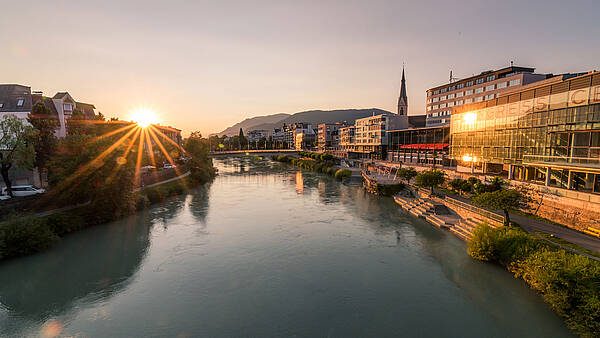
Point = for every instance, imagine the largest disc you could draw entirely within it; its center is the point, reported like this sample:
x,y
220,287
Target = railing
x,y
482,212
581,161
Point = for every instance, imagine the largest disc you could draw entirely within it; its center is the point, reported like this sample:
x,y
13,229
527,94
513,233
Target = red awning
x,y
425,146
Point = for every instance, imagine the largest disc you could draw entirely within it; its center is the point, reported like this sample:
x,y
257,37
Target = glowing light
x,y
470,117
468,158
144,117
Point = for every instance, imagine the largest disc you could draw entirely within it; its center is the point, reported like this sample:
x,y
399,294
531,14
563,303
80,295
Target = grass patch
x,y
568,244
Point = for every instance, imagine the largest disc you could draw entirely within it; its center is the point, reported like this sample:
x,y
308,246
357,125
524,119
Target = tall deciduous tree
x,y
505,200
16,146
430,178
45,140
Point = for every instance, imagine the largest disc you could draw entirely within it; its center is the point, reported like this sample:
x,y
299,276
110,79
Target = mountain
x,y
249,123
314,117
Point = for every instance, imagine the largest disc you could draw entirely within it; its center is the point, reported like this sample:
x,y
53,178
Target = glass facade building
x,y
426,146
547,132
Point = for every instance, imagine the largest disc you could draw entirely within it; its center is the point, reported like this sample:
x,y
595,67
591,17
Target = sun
x,y
144,117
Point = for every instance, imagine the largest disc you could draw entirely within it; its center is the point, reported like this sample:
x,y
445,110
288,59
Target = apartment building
x,y
258,134
486,86
329,136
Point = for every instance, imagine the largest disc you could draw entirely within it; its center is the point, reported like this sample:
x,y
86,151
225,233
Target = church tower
x,y
403,100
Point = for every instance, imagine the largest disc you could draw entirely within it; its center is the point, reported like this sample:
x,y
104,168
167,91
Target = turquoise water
x,y
267,251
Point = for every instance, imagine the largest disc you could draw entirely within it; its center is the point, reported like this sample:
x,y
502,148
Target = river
x,y
267,250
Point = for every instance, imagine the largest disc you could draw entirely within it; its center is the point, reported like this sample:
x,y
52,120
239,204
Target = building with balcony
x,y
329,136
258,134
547,132
370,138
479,88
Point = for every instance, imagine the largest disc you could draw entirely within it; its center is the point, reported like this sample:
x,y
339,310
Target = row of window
x,y
20,103
478,90
500,85
461,102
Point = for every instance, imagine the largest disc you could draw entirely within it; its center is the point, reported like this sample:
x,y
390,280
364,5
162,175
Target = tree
x,y
407,174
430,178
241,139
44,141
201,168
504,199
16,148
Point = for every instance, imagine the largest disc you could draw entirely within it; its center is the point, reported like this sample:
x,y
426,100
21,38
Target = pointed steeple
x,y
403,99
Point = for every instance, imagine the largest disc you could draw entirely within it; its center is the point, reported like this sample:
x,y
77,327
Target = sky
x,y
205,65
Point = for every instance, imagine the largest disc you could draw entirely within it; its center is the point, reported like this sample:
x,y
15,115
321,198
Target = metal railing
x,y
582,161
482,212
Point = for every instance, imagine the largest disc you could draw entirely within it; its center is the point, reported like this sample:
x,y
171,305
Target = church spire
x,y
403,99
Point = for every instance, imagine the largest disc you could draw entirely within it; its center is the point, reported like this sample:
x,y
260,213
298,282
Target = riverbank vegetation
x,y
320,162
96,168
569,282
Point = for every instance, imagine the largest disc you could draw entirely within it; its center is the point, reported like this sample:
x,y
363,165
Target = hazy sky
x,y
204,65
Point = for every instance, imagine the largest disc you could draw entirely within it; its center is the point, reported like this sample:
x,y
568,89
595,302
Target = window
x,y
1,105
434,114
436,99
489,97
459,102
478,90
469,92
429,93
429,108
469,83
443,98
460,94
467,101
435,92
450,96
490,87
501,85
428,100
20,102
490,78
435,106
443,105
460,85
451,104
452,88
479,99
479,81
443,90
67,107
515,82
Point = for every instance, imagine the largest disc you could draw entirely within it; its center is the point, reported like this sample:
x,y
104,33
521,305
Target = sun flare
x,y
144,117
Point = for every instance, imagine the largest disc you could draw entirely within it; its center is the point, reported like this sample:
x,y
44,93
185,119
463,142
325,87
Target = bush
x,y
24,235
569,282
63,223
342,174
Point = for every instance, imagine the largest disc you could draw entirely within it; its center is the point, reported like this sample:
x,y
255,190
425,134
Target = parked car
x,y
4,197
23,190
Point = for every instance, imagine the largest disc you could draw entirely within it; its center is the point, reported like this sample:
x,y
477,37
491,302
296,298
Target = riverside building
x,y
547,132
479,88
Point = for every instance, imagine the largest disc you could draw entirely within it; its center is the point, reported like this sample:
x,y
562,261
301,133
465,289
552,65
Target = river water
x,y
267,250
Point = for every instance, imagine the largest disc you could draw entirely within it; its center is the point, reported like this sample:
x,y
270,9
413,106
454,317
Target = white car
x,y
23,190
168,166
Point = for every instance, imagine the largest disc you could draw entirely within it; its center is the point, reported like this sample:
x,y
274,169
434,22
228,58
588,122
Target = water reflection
x,y
91,264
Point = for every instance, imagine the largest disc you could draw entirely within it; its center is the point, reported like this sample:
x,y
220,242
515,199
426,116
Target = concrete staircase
x,y
465,227
422,208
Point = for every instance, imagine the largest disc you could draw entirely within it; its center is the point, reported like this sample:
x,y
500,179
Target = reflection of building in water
x,y
299,182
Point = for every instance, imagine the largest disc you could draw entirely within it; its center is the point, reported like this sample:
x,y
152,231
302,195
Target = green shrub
x,y
64,223
569,282
342,174
24,235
